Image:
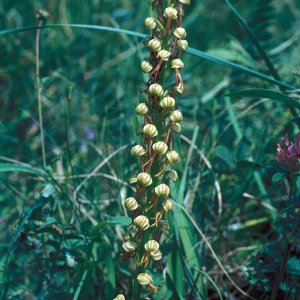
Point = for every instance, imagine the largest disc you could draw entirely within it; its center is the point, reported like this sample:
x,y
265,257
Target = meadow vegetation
x,y
234,233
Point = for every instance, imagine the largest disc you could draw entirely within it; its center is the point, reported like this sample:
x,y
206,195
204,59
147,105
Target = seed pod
x,y
156,255
168,205
176,127
167,102
176,116
187,2
180,32
162,189
182,44
150,23
156,89
172,174
144,279
137,150
129,246
160,148
145,179
154,45
171,13
177,64
150,130
141,222
131,204
146,66
141,109
173,157
164,55
151,246
120,297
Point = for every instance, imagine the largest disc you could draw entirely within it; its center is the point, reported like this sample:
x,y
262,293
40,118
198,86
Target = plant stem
x,y
39,90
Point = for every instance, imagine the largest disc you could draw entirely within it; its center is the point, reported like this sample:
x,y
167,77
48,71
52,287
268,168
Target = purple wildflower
x,y
89,134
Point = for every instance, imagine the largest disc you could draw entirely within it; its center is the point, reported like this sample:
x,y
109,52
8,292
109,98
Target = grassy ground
x,y
60,234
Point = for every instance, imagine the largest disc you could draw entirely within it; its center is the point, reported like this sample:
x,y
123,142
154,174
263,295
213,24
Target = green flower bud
x,y
160,148
187,2
119,297
182,44
172,174
132,180
156,255
138,150
144,279
151,246
168,205
164,55
141,222
145,179
173,157
171,13
146,66
150,130
177,64
150,23
167,102
156,89
141,109
180,32
162,190
176,116
42,14
154,45
180,88
131,204
129,246
176,127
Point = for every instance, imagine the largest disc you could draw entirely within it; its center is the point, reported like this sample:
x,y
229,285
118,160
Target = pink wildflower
x,y
288,156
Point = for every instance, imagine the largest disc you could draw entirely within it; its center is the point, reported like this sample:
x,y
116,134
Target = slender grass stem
x,y
39,90
209,246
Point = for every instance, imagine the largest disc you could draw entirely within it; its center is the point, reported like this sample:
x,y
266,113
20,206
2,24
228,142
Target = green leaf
x,y
4,167
293,266
230,55
262,93
277,177
120,220
223,153
246,164
243,149
98,228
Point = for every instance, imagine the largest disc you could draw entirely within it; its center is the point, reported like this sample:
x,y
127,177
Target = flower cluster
x,y
289,156
160,121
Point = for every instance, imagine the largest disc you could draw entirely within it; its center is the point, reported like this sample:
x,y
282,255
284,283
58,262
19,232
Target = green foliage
x,y
61,226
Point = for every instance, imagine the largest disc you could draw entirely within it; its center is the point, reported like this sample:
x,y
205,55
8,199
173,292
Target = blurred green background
x,y
60,237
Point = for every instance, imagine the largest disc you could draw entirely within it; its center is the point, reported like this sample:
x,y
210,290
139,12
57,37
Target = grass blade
x,y
212,282
4,167
263,93
192,51
80,285
255,41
